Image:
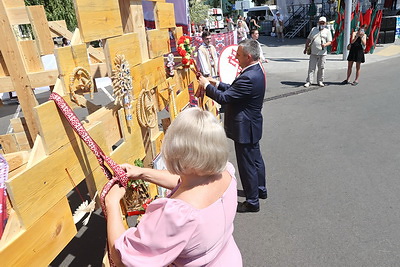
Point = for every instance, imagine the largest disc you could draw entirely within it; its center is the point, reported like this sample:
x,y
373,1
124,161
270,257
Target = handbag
x,y
308,49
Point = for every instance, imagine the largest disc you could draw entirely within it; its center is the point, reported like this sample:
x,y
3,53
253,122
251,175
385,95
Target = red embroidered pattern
x,y
119,176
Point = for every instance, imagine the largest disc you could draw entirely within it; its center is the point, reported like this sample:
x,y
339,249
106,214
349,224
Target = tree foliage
x,y
57,10
198,11
259,2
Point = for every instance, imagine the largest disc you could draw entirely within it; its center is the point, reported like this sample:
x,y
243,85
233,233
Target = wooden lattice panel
x,y
41,243
127,45
37,17
98,19
31,56
165,15
148,75
158,42
68,58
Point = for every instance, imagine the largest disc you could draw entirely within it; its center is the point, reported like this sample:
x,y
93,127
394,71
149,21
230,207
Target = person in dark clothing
x,y
356,54
243,100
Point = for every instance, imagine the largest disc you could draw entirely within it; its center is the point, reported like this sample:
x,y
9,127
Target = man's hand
x,y
203,81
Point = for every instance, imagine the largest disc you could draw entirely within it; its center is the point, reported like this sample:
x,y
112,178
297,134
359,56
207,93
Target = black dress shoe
x,y
262,195
247,207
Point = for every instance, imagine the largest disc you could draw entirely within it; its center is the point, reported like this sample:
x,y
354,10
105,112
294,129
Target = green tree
x,y
57,10
198,11
259,2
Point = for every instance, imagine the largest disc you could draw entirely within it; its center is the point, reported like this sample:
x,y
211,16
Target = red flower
x,y
185,61
182,52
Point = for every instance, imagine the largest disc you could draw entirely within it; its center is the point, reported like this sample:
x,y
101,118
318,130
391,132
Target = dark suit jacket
x,y
243,101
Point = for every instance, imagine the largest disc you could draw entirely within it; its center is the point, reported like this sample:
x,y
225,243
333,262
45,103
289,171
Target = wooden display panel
x,y
165,15
137,17
14,3
31,56
68,58
127,45
41,243
40,27
99,19
3,67
40,187
18,15
158,42
148,75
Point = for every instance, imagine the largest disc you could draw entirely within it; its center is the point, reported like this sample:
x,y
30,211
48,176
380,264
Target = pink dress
x,y
174,232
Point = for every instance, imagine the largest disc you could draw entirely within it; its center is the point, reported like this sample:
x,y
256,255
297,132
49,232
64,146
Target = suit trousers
x,y
312,65
251,170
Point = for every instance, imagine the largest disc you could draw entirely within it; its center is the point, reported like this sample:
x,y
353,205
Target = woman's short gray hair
x,y
251,47
195,143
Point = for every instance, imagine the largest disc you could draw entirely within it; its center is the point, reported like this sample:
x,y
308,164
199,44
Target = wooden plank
x,y
18,15
40,28
40,244
99,70
37,153
126,15
13,58
40,187
133,140
126,45
177,32
14,3
54,130
6,84
22,141
58,28
31,56
163,97
3,67
148,75
16,159
9,143
158,42
99,19
108,115
68,58
43,78
136,10
18,124
37,79
164,14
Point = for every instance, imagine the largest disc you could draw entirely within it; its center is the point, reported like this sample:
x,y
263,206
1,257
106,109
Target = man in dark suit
x,y
243,101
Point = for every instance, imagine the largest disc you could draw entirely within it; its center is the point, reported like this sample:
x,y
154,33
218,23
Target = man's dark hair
x,y
253,31
205,34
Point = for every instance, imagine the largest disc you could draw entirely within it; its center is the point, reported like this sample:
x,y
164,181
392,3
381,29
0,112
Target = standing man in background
x,y
208,57
319,38
243,101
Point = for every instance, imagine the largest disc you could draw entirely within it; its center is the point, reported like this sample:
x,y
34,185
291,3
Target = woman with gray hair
x,y
193,226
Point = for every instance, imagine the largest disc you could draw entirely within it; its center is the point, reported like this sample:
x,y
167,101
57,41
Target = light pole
x,y
347,22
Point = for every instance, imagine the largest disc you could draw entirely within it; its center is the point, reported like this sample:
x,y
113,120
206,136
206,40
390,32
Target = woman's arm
x,y
115,226
353,37
161,178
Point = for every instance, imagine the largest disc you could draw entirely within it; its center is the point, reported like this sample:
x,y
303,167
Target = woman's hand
x,y
115,194
133,172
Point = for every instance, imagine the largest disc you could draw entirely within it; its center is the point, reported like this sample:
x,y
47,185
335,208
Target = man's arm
x,y
234,93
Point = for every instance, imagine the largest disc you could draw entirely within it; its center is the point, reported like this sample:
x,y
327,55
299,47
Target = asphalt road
x,y
333,174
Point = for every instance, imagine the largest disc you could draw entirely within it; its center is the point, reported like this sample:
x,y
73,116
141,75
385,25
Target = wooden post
x,y
9,48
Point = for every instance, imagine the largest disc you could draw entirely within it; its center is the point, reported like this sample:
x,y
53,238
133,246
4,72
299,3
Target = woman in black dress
x,y
356,54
